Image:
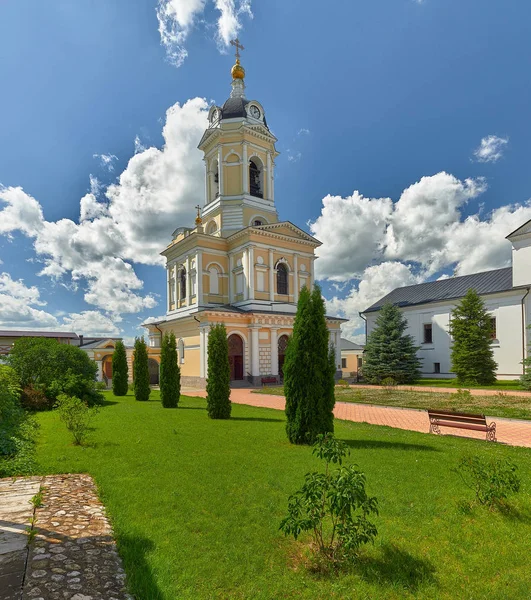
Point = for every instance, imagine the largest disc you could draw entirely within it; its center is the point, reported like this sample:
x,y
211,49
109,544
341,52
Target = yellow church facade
x,y
239,265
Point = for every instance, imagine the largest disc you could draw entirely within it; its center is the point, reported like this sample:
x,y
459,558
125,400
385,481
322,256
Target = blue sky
x,y
390,98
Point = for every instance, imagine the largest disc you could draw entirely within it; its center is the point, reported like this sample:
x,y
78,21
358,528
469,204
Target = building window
x,y
428,333
183,283
214,280
493,328
360,362
436,367
343,363
255,179
282,279
257,223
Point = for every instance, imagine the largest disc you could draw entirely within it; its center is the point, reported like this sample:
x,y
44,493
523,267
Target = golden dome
x,y
237,71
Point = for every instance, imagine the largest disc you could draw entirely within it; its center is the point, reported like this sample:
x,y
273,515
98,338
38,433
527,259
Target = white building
x,y
506,293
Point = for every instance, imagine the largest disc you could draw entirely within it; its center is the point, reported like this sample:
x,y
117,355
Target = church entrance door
x,y
236,357
282,346
107,366
153,368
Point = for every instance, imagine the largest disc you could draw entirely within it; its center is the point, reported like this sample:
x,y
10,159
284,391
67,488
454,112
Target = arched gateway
x,y
236,357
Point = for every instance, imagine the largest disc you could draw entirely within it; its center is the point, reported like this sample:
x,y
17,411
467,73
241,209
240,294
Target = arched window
x,y
214,280
282,279
214,181
181,351
255,178
212,228
258,222
183,283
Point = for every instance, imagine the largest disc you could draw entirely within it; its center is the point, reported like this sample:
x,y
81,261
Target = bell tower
x,y
239,155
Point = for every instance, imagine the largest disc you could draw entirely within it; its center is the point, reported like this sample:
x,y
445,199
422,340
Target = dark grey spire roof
x,y
234,108
488,282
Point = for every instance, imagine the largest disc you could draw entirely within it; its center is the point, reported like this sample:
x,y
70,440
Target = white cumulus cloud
x,y
490,148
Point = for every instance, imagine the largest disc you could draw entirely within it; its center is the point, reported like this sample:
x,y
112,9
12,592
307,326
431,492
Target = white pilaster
x,y
269,177
295,278
175,286
207,181
271,277
168,274
272,175
312,275
274,351
232,283
203,350
255,350
245,167
199,278
220,171
99,363
245,264
188,282
251,272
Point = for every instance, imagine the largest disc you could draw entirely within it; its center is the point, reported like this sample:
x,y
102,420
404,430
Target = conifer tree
x,y
308,374
170,374
120,371
218,377
141,370
471,330
389,351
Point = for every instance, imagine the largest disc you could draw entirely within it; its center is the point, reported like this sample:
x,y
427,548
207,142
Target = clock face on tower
x,y
255,112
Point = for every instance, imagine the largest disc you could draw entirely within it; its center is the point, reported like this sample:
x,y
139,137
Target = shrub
x,y
472,353
120,370
100,386
333,506
218,377
33,398
389,385
389,351
492,480
76,415
141,371
170,374
17,428
343,383
309,372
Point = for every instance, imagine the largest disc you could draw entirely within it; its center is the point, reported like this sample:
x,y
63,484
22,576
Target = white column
x,y
188,281
295,278
245,167
245,263
311,274
231,279
251,272
269,177
207,181
168,273
175,290
203,350
220,171
100,370
274,351
271,277
272,176
199,278
255,350
178,288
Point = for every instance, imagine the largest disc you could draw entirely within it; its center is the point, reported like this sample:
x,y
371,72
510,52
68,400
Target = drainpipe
x,y
523,329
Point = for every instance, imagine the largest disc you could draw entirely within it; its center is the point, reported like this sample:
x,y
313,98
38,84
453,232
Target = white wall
x,y
505,307
521,261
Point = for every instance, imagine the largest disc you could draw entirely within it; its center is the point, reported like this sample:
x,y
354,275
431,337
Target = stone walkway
x,y
72,555
508,431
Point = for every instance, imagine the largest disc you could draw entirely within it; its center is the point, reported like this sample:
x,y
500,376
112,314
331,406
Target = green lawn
x,y
513,384
499,405
196,505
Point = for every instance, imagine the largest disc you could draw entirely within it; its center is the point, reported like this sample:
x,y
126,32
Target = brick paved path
x,y
73,555
508,431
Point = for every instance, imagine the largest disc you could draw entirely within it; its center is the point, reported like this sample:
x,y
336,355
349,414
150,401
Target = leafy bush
x,y
33,398
389,385
17,428
343,384
141,371
100,386
76,415
170,374
333,506
120,370
492,480
218,377
54,368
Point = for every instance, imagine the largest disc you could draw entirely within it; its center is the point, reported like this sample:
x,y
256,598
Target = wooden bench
x,y
266,380
443,418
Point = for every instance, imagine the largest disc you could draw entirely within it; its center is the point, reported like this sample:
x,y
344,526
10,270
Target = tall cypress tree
x,y
308,377
389,351
170,374
471,329
218,377
120,371
141,370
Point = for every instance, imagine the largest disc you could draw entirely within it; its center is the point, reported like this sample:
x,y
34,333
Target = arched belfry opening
x,y
235,357
256,178
182,276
